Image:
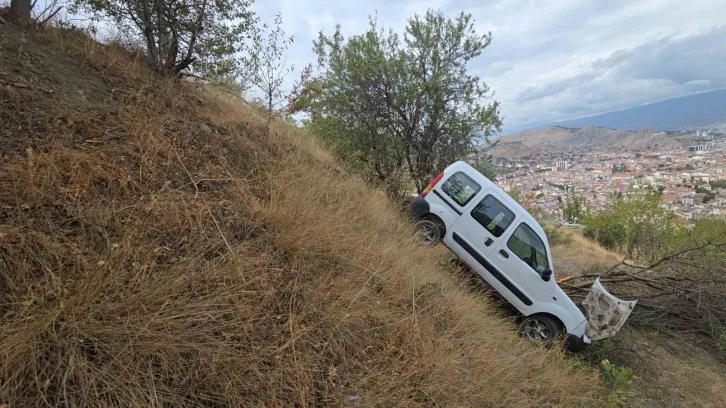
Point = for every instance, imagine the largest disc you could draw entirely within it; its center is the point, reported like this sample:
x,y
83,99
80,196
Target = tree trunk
x,y
269,109
20,10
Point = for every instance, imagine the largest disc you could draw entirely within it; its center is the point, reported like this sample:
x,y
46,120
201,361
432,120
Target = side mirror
x,y
547,274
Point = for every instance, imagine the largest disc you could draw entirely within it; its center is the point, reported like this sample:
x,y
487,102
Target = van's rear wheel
x,y
428,232
540,328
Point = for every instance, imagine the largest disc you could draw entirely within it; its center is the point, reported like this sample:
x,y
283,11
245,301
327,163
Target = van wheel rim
x,y
536,330
427,232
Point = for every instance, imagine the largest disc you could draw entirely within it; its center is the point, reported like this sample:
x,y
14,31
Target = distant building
x,y
697,148
562,165
687,199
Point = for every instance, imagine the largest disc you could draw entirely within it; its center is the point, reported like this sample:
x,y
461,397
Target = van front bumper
x,y
575,344
419,207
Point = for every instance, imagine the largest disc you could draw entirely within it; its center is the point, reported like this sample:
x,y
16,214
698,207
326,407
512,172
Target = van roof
x,y
508,200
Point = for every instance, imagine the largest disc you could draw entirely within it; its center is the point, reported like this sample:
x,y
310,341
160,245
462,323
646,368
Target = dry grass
x,y
147,260
581,254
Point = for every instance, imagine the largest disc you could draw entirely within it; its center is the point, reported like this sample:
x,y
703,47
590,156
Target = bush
x,y
558,235
637,224
620,378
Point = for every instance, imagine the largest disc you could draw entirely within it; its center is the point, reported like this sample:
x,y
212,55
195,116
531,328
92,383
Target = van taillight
x,y
432,184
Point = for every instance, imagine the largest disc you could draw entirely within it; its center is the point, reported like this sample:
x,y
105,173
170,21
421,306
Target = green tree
x,y
485,166
619,168
265,65
401,108
202,35
636,222
574,209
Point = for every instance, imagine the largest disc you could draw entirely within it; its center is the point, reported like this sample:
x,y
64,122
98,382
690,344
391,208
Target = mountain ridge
x,y
590,137
689,112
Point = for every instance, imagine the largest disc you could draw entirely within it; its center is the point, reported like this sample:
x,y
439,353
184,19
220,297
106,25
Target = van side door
x,y
476,234
522,258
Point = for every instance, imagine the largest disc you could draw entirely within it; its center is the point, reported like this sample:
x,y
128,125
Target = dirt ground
x,y
40,86
674,370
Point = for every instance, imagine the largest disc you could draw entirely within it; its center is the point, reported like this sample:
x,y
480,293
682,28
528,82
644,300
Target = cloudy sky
x,y
554,60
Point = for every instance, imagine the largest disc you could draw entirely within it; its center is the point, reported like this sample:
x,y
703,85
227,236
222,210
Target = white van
x,y
503,243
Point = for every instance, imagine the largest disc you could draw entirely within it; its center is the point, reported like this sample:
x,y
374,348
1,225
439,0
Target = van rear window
x,y
461,188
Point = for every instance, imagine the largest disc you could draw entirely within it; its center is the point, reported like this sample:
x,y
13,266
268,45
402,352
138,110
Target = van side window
x,y
528,246
492,215
461,188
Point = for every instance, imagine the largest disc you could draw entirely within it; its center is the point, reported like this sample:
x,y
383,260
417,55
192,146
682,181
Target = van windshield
x,y
461,188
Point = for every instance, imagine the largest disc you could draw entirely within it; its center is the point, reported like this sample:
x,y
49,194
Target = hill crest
x,y
689,112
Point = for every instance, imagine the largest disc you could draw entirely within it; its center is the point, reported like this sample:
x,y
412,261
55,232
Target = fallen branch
x,y
676,291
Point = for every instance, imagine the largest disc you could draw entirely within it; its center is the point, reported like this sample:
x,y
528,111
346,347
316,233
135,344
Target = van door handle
x,y
488,241
504,253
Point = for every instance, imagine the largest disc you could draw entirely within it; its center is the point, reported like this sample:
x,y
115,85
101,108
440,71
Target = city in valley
x,y
601,165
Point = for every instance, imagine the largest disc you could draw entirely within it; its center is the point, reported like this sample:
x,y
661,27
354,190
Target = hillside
x,y
697,111
158,247
591,137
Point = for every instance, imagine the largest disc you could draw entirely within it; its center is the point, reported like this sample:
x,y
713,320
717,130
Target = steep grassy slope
x,y
158,248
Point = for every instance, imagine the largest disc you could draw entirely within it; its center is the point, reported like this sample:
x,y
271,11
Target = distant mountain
x,y
705,109
601,138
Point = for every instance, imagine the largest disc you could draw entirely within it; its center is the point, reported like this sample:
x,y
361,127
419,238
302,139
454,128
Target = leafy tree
x,y
608,231
203,35
619,168
401,108
266,64
636,222
485,166
574,209
516,194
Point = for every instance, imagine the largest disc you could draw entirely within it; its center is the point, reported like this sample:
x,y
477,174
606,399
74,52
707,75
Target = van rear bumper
x,y
419,207
575,344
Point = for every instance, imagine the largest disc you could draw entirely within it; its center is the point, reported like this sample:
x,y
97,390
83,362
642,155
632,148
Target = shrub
x,y
558,235
620,379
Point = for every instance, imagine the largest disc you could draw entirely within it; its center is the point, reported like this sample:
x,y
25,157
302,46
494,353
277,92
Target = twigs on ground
x,y
685,290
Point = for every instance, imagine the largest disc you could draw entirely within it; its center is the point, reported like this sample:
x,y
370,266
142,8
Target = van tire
x,y
541,328
428,231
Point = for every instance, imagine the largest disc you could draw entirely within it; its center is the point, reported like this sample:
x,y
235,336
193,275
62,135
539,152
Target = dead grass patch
x,y
165,263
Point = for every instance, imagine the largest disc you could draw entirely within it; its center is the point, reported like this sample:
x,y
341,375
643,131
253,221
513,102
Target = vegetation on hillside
x,y
203,36
399,109
674,269
159,247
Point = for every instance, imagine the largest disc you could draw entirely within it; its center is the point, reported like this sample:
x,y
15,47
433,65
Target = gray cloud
x,y
532,93
498,68
558,59
656,70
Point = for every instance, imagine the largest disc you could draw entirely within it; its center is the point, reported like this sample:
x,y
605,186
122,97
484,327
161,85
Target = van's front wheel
x,y
540,328
428,232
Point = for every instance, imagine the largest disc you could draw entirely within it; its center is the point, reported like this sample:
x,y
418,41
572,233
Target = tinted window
x,y
527,245
492,215
461,188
